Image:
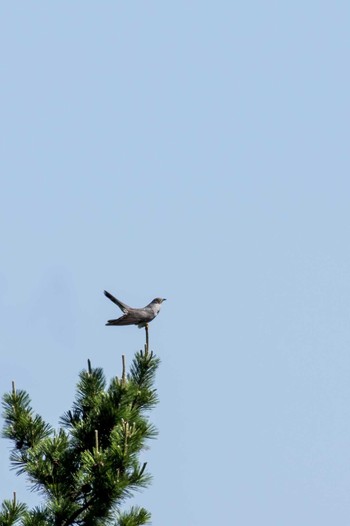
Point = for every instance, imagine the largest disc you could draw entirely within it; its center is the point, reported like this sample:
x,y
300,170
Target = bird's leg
x,y
146,329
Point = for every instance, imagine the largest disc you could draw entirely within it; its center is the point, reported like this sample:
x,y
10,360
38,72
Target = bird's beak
x,y
164,299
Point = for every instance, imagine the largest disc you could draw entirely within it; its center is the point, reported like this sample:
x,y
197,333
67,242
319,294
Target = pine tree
x,y
88,467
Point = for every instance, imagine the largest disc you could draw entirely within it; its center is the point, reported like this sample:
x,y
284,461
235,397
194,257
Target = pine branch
x,y
21,424
72,519
11,511
135,517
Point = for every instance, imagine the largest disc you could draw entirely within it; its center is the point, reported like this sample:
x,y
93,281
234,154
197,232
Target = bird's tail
x,y
120,304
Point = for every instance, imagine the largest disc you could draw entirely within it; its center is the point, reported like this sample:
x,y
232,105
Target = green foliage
x,y
87,468
11,512
135,517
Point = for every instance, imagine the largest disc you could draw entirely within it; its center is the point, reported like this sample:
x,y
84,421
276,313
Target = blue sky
x,y
196,151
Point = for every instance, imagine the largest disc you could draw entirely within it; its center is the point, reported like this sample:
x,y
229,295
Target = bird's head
x,y
159,300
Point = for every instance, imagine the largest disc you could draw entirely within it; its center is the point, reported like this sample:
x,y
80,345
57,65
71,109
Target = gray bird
x,y
139,317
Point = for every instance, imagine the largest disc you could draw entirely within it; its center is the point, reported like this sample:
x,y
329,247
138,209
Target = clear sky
x,y
197,151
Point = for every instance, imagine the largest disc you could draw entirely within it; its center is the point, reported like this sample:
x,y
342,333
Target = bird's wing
x,y
123,320
133,317
125,308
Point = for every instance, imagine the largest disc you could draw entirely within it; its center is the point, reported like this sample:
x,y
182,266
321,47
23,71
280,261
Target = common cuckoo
x,y
139,317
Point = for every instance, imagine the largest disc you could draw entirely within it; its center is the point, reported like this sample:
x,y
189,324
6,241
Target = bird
x,y
131,316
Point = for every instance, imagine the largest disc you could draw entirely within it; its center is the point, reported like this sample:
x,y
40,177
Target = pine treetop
x,y
87,468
